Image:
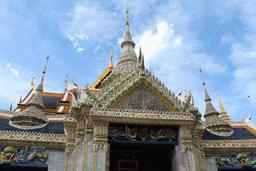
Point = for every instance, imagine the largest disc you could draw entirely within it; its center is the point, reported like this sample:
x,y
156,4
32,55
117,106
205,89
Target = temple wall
x,y
178,162
56,159
211,163
89,155
79,159
100,160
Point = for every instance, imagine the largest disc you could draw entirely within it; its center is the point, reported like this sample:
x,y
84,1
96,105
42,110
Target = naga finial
x,y
185,94
249,118
66,81
32,83
20,98
179,92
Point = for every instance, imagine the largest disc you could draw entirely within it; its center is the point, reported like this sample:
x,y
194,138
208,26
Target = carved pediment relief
x,y
144,100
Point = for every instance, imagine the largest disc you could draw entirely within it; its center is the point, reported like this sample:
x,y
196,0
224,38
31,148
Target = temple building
x,y
126,120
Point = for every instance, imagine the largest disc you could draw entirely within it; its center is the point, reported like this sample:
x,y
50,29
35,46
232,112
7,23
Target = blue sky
x,y
177,37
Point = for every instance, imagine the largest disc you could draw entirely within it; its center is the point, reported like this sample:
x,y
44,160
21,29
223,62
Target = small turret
x,y
33,116
213,122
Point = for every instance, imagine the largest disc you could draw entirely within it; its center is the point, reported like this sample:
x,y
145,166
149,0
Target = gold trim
x,y
36,141
95,161
193,157
186,160
199,153
85,156
74,161
205,164
104,166
66,162
101,77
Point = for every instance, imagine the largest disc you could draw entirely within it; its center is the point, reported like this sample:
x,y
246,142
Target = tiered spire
x,y
209,110
33,116
213,122
128,57
223,113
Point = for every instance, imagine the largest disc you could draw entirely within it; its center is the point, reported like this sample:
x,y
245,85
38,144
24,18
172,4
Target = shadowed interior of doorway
x,y
140,157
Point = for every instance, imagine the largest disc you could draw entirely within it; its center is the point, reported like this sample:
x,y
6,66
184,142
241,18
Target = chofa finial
x,y
66,81
111,64
32,83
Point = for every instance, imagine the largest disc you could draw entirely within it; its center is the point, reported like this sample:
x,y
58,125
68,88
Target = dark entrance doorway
x,y
22,168
140,157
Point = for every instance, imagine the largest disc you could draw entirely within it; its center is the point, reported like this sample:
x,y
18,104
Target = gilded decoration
x,y
133,133
23,155
236,161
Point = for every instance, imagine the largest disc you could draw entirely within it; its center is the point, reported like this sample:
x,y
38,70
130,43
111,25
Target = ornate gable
x,y
139,90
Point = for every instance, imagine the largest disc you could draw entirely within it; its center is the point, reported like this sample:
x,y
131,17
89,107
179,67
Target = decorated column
x,y
100,146
70,127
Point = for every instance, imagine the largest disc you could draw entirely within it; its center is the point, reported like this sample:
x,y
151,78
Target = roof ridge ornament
x,y
111,64
32,83
249,118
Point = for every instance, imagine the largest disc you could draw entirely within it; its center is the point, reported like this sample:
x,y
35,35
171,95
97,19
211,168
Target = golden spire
x,y
66,81
221,107
32,83
20,98
223,113
111,67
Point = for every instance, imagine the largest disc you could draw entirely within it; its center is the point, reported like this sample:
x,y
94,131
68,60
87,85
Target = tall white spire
x,y
128,57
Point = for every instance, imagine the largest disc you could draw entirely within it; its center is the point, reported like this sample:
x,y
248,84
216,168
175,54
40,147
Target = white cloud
x,y
99,70
14,71
76,44
227,38
83,36
96,49
89,22
80,49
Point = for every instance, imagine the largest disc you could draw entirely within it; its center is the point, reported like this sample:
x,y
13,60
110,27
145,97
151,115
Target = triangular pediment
x,y
142,96
138,90
142,99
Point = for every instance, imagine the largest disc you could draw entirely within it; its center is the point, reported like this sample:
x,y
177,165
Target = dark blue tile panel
x,y
239,134
51,127
51,101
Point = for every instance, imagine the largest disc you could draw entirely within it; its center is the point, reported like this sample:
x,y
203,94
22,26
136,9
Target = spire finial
x,y
140,55
111,64
127,22
32,83
11,107
42,79
221,107
207,97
